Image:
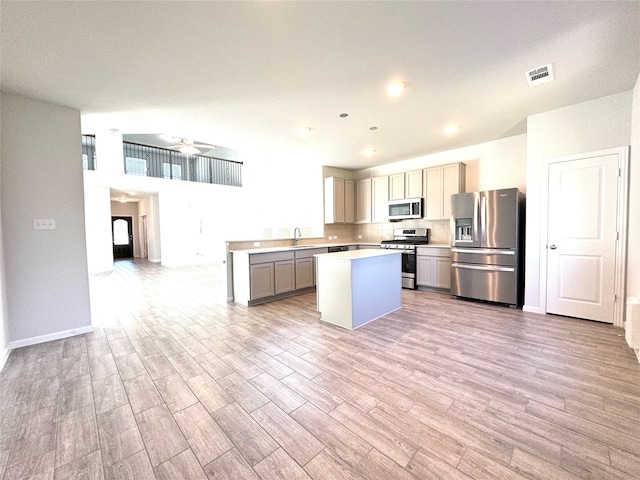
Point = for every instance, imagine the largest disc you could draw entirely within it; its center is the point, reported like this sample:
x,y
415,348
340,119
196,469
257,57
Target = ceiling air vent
x,y
539,75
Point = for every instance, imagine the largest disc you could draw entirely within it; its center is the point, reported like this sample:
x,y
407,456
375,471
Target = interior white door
x,y
582,235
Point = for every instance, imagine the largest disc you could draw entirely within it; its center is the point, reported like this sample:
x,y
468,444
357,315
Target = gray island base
x,y
356,287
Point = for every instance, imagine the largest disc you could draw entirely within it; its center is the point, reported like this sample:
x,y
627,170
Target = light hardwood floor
x,y
176,383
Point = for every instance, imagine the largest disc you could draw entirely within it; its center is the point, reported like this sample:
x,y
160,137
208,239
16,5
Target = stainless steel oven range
x,y
406,239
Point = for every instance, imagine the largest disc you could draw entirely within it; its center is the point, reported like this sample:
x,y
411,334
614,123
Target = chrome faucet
x,y
296,237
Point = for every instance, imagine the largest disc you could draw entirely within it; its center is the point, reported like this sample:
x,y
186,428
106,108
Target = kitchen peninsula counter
x,y
356,287
271,272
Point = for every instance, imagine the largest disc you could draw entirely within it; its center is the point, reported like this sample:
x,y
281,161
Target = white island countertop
x,y
358,286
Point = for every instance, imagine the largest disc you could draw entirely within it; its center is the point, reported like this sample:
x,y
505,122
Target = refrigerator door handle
x,y
483,218
483,251
487,268
476,208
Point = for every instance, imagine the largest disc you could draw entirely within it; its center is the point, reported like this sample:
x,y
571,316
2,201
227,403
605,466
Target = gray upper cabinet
x,y
405,185
439,184
380,199
339,200
363,201
396,186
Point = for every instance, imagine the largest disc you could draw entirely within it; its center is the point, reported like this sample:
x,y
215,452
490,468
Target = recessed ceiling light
x,y
370,151
395,88
344,115
373,128
451,129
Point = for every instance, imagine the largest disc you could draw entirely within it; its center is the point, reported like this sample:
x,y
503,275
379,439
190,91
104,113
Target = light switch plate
x,y
44,224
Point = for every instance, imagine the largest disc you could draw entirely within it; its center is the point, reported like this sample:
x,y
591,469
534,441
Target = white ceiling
x,y
248,75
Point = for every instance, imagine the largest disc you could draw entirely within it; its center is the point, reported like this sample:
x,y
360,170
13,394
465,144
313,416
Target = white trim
x,y
50,336
530,309
3,361
623,222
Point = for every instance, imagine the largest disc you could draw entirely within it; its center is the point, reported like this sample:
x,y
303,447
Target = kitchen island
x,y
356,287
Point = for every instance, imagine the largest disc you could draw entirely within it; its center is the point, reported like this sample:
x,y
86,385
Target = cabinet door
x,y
452,182
424,271
363,201
413,184
433,193
349,201
380,199
261,280
284,276
338,200
333,200
396,186
304,273
442,272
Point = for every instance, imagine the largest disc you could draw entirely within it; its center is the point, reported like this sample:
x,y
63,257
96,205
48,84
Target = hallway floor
x,y
174,383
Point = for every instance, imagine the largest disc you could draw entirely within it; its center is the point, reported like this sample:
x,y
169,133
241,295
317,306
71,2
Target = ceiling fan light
x,y
189,150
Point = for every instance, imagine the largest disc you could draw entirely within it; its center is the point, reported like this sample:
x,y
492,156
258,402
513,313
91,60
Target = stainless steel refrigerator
x,y
487,246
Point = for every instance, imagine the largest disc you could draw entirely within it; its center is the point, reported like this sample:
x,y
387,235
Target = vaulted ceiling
x,y
250,75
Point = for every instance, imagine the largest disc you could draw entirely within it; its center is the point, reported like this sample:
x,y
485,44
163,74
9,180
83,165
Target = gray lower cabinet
x,y
262,277
285,277
433,267
305,273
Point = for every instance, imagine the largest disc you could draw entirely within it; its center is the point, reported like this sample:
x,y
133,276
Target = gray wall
x,y
4,318
47,281
633,265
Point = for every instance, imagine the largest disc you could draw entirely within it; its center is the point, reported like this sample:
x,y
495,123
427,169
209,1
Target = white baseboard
x,y
530,309
50,337
3,360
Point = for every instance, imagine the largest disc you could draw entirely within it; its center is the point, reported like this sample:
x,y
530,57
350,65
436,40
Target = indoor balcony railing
x,y
88,152
148,161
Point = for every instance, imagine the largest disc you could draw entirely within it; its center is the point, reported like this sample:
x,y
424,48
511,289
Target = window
x,y
120,232
172,171
136,166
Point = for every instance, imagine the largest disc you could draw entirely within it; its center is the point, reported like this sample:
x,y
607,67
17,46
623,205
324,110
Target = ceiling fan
x,y
188,147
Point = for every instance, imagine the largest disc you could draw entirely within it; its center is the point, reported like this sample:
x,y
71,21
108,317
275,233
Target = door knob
x,y
553,247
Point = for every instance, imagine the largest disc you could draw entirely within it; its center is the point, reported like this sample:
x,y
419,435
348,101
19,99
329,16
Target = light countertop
x,y
358,254
299,247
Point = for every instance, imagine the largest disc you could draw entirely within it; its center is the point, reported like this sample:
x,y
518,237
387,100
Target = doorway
x,y
122,237
586,236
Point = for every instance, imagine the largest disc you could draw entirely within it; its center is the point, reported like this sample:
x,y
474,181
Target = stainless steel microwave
x,y
404,209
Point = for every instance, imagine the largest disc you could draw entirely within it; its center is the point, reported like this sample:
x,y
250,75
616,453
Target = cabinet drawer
x,y
270,257
433,251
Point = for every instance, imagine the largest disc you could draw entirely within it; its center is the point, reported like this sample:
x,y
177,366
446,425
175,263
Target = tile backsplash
x,y
348,233
375,232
